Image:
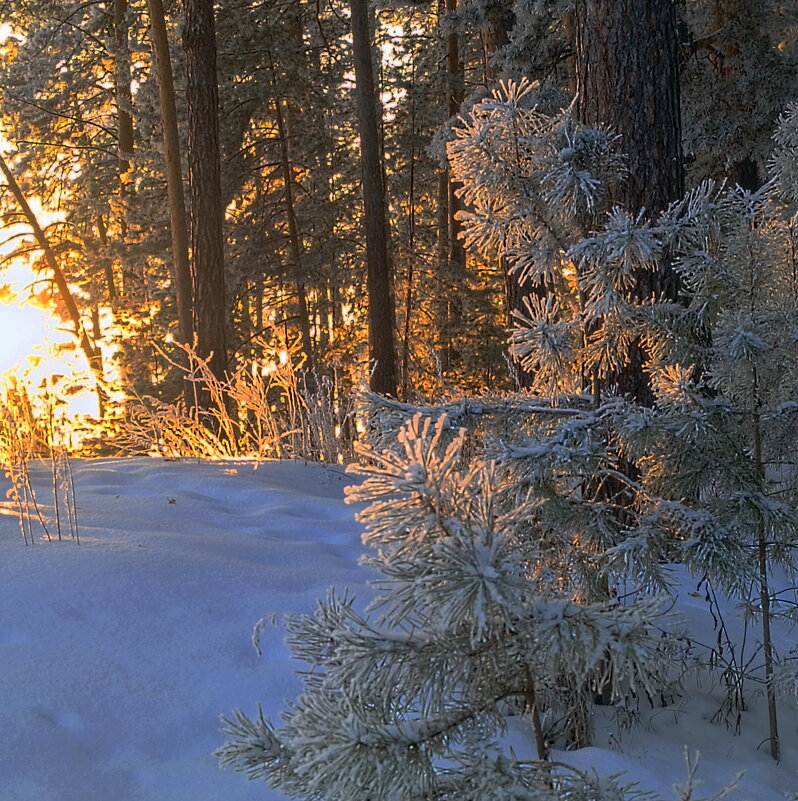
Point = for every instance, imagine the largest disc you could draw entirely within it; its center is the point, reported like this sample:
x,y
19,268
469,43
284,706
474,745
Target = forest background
x,y
267,182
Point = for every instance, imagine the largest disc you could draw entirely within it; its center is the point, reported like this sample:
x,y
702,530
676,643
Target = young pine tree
x,y
409,701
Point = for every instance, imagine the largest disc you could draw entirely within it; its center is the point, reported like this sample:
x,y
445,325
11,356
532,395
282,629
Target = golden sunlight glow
x,y
21,329
34,345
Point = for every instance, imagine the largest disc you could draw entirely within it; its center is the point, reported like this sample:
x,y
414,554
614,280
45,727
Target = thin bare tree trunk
x,y
124,109
181,268
381,310
411,248
258,301
764,585
294,243
442,260
455,96
456,257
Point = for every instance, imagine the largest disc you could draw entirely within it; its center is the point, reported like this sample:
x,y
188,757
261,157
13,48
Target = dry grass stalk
x,y
260,411
30,432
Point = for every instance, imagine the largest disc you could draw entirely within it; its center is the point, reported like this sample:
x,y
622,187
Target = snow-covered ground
x,y
118,656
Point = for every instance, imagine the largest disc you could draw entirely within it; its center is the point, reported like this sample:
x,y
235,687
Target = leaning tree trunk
x,y
627,80
295,246
207,210
381,310
178,227
286,129
90,349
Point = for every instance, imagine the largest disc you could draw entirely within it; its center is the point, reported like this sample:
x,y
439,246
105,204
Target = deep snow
x,y
118,656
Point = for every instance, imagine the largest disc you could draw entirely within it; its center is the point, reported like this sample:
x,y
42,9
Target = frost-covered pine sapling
x,y
409,700
716,490
720,448
533,185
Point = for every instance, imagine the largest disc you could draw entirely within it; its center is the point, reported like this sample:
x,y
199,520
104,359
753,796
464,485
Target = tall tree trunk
x,y
455,85
294,244
411,252
321,184
627,79
454,255
124,103
125,138
738,26
496,26
181,268
764,586
207,211
441,278
381,310
285,131
90,350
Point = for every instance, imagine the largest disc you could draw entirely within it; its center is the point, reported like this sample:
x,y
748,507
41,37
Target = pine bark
x,y
627,80
381,315
178,224
207,210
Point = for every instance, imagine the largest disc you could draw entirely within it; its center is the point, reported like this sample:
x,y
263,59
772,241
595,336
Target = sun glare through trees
x,y
22,329
36,352
36,348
